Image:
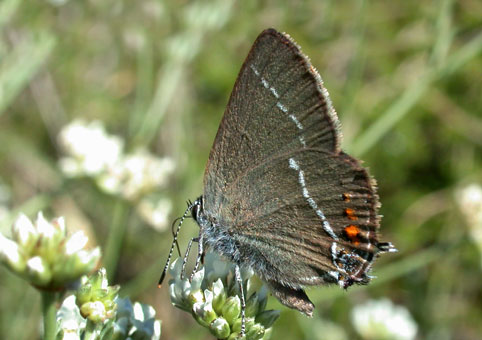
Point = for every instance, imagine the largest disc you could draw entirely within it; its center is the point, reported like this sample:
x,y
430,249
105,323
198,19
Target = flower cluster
x,y
44,255
95,298
382,320
213,299
95,311
91,151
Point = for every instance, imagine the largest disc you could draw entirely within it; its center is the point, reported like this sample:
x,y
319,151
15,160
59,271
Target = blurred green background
x,y
405,79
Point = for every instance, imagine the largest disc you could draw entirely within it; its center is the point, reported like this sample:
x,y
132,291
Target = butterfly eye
x,y
195,208
194,212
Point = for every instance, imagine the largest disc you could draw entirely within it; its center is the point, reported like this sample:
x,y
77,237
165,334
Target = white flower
x,y
144,172
135,175
43,254
214,302
90,150
381,319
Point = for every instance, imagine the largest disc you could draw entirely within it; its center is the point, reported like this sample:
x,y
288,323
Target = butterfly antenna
x,y
174,234
174,241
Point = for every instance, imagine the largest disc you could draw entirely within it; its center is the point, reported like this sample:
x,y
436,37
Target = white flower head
x,y
89,149
214,303
44,255
381,319
144,172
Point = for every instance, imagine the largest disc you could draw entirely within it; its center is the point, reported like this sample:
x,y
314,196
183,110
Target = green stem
x,y
89,332
115,238
49,314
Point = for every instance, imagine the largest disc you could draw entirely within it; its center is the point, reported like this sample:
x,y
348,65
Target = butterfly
x,y
280,196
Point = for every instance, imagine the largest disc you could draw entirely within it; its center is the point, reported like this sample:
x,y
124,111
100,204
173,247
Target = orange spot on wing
x,y
350,213
351,232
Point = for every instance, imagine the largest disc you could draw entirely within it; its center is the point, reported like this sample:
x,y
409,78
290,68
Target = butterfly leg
x,y
200,253
239,280
186,255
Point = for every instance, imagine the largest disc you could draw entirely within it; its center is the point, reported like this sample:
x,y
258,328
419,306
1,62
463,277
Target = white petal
x,y
138,312
44,228
38,271
24,230
9,252
76,242
59,222
36,264
157,329
86,257
103,274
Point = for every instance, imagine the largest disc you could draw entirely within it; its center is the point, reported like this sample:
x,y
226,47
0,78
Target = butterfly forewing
x,y
278,104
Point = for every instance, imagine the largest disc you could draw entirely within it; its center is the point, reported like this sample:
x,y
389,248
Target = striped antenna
x,y
174,242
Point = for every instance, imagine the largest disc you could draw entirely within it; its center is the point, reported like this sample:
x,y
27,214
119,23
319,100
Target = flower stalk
x,y
49,311
115,239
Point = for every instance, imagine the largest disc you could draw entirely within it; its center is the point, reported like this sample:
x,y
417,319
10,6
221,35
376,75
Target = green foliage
x,y
404,77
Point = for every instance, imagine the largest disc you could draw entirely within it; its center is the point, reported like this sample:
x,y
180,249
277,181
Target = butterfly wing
x,y
278,103
308,215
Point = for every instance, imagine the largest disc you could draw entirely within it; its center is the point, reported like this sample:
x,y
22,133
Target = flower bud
x,y
219,296
96,298
220,328
231,309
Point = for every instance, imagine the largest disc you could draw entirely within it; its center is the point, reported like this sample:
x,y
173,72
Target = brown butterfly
x,y
280,196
